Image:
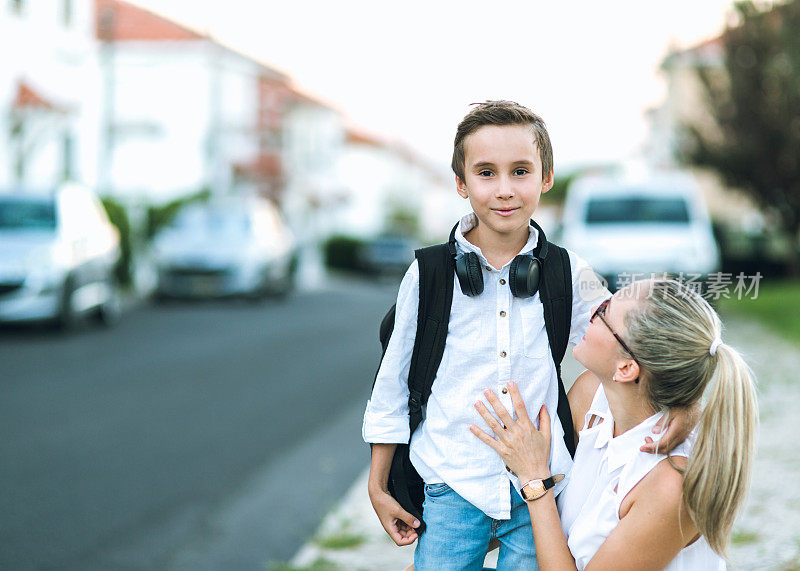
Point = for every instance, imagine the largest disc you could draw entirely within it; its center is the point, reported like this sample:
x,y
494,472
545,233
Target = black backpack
x,y
436,279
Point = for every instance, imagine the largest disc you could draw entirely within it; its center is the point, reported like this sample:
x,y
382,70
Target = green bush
x,y
118,216
344,253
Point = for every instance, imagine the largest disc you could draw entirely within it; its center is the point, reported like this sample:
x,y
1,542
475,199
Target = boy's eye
x,y
520,171
485,173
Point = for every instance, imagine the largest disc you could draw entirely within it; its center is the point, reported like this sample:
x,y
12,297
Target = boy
x,y
503,162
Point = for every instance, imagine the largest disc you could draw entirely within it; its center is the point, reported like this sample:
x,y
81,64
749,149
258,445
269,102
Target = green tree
x,y
561,184
402,220
160,216
754,103
118,216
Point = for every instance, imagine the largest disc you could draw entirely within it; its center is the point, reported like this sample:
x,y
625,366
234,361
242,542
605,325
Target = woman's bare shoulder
x,y
662,486
580,397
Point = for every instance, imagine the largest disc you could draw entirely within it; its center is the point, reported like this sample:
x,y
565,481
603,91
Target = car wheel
x,y
109,312
286,284
67,313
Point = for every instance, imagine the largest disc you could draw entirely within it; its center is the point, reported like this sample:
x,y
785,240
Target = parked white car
x,y
57,256
639,226
240,248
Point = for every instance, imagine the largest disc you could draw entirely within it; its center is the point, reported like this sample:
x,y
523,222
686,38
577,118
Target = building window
x,y
66,12
17,135
68,154
17,6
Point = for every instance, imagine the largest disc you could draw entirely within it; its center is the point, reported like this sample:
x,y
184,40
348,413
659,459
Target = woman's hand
x,y
676,426
524,449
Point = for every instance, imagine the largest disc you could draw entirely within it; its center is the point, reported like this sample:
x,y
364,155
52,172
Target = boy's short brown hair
x,y
502,113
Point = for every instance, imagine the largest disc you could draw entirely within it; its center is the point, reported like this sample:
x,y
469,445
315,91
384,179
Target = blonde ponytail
x,y
672,332
718,473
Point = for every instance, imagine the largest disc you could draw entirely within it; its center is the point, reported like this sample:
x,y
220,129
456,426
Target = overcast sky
x,y
410,69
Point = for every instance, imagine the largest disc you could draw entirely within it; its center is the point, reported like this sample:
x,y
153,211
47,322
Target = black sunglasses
x,y
601,312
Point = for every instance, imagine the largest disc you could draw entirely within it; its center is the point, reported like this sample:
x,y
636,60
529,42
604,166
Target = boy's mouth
x,y
504,211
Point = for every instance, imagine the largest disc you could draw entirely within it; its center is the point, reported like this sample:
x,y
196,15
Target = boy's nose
x,y
504,189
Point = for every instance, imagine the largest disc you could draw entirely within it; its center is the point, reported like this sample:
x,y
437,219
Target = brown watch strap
x,y
543,485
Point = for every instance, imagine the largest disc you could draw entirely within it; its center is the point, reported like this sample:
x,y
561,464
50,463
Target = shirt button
x,y
488,268
504,391
502,353
502,282
502,314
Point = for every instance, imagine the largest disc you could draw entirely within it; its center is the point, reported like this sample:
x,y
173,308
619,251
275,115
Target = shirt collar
x,y
620,450
623,448
470,221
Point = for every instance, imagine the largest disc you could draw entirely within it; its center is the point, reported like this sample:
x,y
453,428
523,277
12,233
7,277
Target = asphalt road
x,y
212,435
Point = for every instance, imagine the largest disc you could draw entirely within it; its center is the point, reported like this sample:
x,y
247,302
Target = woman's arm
x,y
526,451
655,525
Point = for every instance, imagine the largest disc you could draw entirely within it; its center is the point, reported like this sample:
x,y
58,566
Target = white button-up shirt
x,y
606,469
492,338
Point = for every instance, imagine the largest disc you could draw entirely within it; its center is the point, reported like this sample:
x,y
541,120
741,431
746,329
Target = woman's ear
x,y
627,371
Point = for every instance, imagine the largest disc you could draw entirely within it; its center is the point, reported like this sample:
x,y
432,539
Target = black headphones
x,y
523,275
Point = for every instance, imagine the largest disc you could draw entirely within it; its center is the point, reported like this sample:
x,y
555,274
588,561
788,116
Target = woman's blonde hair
x,y
671,331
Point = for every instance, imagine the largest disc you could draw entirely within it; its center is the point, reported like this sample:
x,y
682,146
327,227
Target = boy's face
x,y
503,179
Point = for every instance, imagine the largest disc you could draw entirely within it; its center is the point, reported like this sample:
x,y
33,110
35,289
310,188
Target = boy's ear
x,y
547,183
461,188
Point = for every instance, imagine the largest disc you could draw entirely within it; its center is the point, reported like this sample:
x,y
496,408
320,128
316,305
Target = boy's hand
x,y
681,422
398,523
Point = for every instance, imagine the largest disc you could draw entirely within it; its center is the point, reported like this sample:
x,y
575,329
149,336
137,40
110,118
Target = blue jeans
x,y
457,534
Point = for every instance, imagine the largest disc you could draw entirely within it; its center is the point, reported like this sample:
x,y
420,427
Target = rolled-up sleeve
x,y
386,416
587,291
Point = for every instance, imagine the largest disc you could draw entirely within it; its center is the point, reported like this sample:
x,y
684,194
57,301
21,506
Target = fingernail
x,y
511,384
416,523
486,392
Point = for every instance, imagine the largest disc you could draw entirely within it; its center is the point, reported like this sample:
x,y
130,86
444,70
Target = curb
x,y
353,518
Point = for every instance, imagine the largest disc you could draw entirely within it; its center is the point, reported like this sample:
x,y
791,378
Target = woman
x,y
652,347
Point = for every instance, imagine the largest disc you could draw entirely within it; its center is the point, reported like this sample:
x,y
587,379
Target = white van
x,y
625,226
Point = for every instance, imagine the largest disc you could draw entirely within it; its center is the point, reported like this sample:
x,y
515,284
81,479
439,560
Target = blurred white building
x,y
385,181
146,109
182,112
49,92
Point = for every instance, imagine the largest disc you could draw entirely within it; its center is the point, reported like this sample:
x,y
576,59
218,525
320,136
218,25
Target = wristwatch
x,y
535,489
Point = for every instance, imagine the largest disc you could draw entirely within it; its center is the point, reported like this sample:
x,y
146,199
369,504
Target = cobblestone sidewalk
x,y
766,536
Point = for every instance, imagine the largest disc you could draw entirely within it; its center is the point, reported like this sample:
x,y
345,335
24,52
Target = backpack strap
x,y
436,274
556,295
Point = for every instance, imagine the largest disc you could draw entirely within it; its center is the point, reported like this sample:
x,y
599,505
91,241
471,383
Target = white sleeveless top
x,y
589,506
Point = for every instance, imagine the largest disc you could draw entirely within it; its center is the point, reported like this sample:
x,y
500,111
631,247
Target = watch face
x,y
533,490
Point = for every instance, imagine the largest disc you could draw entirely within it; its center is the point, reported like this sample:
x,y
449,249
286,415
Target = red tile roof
x,y
27,98
265,166
357,136
129,22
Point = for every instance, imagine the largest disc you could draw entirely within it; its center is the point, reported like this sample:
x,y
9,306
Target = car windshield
x,y
27,214
637,210
213,222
